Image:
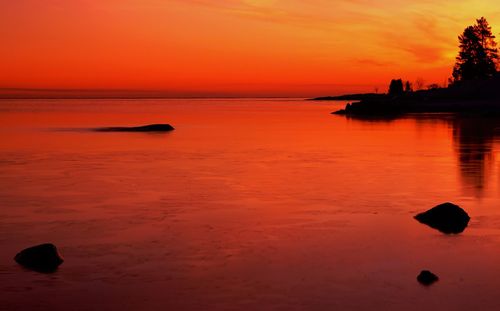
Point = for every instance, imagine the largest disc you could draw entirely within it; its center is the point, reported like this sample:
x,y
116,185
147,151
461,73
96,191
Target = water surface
x,y
247,205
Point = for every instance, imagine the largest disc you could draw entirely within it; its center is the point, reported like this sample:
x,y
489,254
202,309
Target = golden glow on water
x,y
247,205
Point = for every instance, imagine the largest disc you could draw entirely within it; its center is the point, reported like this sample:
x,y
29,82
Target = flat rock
x,y
427,278
447,218
144,128
42,258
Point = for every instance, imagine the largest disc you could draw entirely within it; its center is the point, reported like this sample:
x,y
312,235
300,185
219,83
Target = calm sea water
x,y
247,205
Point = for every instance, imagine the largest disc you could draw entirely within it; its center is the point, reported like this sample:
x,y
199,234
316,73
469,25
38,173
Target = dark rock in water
x,y
145,128
42,258
447,218
427,278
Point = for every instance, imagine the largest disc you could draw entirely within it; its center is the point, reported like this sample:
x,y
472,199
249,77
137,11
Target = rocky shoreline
x,y
397,108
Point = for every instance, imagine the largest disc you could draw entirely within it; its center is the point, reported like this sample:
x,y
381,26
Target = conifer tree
x,y
478,54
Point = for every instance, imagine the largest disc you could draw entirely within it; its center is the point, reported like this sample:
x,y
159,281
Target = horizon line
x,y
2,98
9,92
13,93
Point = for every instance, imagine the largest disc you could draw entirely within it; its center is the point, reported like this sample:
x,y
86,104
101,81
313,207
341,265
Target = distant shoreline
x,y
361,96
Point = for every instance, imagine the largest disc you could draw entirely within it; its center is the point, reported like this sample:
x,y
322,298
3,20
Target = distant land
x,y
477,97
363,96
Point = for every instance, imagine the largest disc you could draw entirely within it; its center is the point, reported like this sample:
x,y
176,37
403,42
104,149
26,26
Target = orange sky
x,y
231,47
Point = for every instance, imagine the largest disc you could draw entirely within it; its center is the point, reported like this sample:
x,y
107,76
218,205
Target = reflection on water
x,y
247,205
473,140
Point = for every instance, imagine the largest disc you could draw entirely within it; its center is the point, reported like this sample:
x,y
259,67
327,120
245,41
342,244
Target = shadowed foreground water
x,y
247,205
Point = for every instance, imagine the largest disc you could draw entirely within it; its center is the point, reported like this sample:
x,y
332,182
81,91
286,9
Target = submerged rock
x,y
447,218
144,128
42,258
427,278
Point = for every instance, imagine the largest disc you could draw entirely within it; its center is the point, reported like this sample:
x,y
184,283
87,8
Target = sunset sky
x,y
232,47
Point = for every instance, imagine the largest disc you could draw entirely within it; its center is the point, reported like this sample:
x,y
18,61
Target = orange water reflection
x,y
249,204
474,143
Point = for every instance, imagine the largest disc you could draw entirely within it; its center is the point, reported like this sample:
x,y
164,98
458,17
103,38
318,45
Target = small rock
x,y
447,218
427,278
42,258
144,128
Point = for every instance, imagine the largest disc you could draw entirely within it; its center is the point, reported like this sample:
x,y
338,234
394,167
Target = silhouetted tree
x,y
408,87
478,55
487,41
396,87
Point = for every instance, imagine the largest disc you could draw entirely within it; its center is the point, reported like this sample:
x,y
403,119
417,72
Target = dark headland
x,y
474,86
366,96
475,97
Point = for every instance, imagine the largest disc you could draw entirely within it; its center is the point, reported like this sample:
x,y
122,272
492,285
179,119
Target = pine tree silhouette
x,y
478,54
